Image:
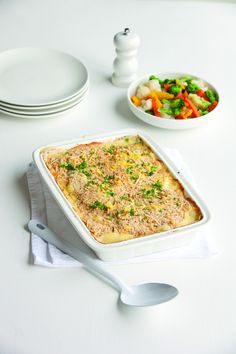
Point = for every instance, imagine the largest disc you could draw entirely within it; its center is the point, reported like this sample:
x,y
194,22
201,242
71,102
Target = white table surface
x,y
66,311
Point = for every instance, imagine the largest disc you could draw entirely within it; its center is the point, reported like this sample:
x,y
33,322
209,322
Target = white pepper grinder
x,y
125,65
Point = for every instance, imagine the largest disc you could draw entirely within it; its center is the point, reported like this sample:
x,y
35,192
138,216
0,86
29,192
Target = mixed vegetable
x,y
181,98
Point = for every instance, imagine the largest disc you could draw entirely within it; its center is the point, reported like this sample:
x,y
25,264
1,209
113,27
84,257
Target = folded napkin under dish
x,y
45,209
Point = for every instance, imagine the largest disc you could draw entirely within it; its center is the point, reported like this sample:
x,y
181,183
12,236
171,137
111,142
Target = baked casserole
x,y
120,189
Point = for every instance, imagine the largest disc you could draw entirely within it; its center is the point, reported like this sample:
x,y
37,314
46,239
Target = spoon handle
x,y
96,265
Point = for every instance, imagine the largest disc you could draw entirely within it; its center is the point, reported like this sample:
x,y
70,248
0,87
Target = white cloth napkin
x,y
45,209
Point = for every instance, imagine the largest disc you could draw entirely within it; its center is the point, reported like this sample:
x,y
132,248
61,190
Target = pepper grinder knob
x,y
125,65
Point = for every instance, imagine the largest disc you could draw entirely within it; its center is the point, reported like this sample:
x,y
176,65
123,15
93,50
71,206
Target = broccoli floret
x,y
150,111
164,100
153,77
176,106
199,101
192,87
211,95
173,112
169,81
175,89
178,103
166,110
176,111
186,79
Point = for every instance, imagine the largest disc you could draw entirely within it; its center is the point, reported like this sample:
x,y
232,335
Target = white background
x,y
66,311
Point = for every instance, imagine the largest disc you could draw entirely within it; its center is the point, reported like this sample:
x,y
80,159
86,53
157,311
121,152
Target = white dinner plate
x,y
48,106
44,115
36,76
44,109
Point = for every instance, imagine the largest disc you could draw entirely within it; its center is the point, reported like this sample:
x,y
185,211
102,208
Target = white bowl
x,y
167,123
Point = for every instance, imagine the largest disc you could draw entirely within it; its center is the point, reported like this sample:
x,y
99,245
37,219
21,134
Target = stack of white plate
x,y
40,83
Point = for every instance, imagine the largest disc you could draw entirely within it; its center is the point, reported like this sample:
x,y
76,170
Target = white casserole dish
x,y
137,246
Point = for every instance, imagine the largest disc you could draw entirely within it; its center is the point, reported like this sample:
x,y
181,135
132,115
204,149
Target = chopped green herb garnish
x,y
68,166
131,212
106,181
149,193
82,166
110,193
111,149
91,181
86,173
108,178
129,170
134,177
146,209
153,169
138,140
123,197
153,192
157,185
98,204
161,210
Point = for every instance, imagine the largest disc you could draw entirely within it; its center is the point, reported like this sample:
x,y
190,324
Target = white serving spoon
x,y
137,295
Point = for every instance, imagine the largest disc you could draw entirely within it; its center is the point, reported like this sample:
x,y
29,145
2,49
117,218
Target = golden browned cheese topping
x,y
120,189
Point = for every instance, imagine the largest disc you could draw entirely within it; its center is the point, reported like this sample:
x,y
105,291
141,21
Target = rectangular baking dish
x,y
137,246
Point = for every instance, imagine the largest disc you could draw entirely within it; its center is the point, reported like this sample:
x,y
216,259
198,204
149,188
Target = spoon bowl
x,y
148,294
137,295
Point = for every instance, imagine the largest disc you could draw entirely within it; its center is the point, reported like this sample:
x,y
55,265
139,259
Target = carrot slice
x,y
179,95
190,105
179,117
212,106
167,86
155,106
155,96
200,93
205,97
185,94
